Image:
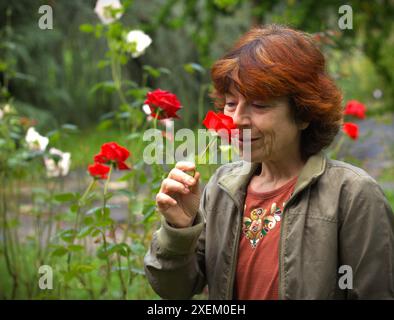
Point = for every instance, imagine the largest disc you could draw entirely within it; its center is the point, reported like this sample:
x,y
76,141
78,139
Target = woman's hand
x,y
179,197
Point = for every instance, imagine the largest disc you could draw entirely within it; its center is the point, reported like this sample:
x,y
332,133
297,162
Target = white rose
x,y
62,167
35,141
7,108
103,8
141,40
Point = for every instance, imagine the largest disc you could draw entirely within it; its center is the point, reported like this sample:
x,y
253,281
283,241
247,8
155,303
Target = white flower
x,y
35,141
1,114
377,93
146,109
60,167
7,108
141,40
103,10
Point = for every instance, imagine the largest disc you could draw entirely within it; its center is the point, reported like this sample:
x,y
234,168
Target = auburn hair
x,y
275,61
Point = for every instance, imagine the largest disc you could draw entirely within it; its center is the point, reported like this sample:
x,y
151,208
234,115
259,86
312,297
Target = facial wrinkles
x,y
268,142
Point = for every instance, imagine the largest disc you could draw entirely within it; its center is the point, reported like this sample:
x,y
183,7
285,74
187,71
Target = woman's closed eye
x,y
260,106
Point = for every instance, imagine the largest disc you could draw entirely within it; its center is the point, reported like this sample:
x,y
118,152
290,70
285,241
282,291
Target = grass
x,y
85,144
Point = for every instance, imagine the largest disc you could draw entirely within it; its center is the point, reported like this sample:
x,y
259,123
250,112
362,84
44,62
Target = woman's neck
x,y
274,174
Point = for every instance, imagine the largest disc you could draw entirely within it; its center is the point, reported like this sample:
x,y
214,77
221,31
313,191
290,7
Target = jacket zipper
x,y
229,291
281,241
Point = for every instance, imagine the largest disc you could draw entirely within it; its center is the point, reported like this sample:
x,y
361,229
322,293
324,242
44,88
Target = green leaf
x,y
75,247
86,27
88,220
107,86
74,208
98,210
149,213
59,252
127,176
103,63
84,268
123,249
64,197
142,178
103,253
193,68
105,222
126,193
133,136
108,196
85,231
155,73
104,125
68,235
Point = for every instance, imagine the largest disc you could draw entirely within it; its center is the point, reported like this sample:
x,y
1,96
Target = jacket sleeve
x,y
366,240
175,262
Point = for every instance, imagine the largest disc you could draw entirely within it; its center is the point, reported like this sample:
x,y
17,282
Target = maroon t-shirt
x,y
257,273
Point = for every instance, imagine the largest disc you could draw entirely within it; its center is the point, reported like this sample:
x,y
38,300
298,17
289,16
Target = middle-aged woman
x,y
298,225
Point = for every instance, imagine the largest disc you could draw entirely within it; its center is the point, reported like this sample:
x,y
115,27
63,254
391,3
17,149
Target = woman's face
x,y
274,133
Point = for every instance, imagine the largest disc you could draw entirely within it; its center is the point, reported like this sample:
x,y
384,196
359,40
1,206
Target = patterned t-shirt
x,y
257,274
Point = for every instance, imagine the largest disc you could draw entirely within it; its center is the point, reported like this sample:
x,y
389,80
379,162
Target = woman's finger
x,y
164,201
180,176
172,186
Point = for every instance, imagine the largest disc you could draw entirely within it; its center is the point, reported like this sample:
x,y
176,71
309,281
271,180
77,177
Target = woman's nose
x,y
241,117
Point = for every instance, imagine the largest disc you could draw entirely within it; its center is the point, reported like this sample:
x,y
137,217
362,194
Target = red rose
x,y
112,153
98,170
351,129
355,108
163,104
218,121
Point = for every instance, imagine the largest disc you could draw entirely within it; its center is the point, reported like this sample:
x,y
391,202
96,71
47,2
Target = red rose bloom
x,y
163,104
218,121
112,153
356,109
98,170
351,129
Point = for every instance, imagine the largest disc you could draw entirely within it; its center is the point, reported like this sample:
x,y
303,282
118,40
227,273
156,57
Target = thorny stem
x,y
155,118
108,279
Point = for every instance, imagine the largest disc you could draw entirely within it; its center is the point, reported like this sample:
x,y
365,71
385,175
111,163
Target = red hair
x,y
274,61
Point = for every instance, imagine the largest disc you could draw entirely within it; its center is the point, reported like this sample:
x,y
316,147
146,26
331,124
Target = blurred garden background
x,y
69,87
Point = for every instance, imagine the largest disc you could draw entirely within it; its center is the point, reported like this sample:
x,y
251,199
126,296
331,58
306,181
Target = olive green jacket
x,y
337,215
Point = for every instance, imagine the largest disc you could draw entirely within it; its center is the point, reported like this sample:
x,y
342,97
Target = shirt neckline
x,y
272,193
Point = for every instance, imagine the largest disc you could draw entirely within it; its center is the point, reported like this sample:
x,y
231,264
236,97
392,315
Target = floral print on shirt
x,y
260,222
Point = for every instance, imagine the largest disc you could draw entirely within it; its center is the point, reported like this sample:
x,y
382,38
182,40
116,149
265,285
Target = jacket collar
x,y
237,179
